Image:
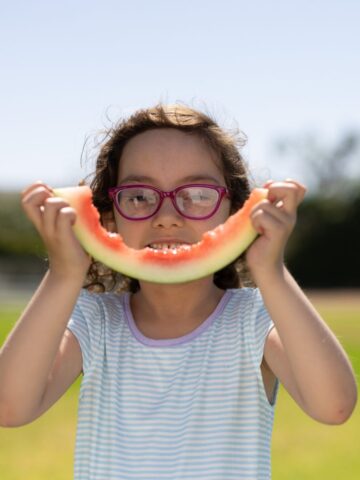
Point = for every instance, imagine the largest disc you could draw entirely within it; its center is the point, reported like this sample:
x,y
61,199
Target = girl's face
x,y
166,159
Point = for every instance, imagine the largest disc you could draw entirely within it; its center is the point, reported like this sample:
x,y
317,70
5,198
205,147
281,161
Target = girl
x,y
179,381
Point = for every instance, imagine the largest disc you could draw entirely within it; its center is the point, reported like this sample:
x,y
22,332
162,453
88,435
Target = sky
x,y
274,70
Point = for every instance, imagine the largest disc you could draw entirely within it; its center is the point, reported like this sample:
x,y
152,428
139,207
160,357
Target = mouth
x,y
169,246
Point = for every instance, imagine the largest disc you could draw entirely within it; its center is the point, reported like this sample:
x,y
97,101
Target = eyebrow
x,y
187,179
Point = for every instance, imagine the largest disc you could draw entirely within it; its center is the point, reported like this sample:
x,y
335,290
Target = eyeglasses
x,y
195,201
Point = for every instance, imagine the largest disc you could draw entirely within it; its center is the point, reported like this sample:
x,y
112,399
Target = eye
x,y
138,198
199,195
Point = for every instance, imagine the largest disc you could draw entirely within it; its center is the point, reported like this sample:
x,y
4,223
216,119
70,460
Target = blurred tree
x,y
331,170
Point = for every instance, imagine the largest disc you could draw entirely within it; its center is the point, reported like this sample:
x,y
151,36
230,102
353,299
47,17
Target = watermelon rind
x,y
216,249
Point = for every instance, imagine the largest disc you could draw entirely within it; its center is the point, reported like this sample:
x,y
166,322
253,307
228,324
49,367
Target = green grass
x,y
43,449
302,448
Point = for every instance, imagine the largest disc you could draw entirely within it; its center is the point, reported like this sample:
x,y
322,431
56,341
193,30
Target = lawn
x,y
305,448
302,448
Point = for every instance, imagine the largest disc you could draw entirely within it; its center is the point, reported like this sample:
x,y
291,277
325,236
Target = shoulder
x,y
246,296
91,306
248,305
93,321
250,322
89,299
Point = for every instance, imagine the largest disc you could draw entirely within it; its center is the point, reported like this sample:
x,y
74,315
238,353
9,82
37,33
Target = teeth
x,y
163,246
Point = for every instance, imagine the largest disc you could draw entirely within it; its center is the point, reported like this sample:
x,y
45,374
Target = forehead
x,y
168,154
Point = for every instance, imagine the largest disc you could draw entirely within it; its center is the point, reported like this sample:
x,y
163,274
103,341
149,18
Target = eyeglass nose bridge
x,y
164,195
167,194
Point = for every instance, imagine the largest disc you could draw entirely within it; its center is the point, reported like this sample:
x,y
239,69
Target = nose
x,y
167,216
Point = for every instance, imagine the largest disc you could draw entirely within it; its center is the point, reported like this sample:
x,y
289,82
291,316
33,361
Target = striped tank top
x,y
192,407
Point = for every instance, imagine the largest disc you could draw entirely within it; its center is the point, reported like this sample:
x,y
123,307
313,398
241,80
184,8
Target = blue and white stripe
x,y
187,408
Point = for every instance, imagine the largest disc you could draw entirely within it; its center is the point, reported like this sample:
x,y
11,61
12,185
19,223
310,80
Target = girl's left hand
x,y
274,219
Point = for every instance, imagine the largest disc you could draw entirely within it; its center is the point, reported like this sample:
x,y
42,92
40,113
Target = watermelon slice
x,y
216,249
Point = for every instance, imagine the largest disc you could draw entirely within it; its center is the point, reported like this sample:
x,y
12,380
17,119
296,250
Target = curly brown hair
x,y
226,147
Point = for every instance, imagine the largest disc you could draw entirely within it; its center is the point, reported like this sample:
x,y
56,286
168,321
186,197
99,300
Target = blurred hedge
x,y
324,250
21,249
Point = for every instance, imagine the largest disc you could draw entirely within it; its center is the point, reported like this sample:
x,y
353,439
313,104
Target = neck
x,y
166,304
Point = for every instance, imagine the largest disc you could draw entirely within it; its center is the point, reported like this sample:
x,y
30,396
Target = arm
x,y
301,350
305,355
40,359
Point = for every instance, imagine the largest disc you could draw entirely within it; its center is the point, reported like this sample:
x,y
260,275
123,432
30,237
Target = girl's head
x,y
168,145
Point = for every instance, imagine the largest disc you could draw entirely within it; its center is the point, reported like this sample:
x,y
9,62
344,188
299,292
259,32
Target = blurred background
x,y
287,74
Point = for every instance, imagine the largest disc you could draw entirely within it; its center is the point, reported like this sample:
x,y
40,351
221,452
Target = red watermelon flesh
x,y
216,249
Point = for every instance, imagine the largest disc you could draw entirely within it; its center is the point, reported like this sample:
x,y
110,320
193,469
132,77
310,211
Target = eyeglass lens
x,y
139,202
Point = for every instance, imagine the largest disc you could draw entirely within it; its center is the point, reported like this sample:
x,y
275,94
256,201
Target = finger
x,y
264,222
285,195
268,183
288,220
52,207
64,232
301,189
32,203
65,220
288,180
35,186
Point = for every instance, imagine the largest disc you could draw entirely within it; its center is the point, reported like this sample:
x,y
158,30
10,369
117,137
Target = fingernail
x,y
271,198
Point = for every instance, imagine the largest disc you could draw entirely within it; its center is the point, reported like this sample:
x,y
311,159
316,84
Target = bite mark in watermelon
x,y
216,249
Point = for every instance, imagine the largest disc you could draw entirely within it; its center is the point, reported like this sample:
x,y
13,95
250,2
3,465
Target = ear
x,y
108,221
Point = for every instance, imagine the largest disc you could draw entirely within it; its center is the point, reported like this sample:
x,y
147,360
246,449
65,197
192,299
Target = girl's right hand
x,y
53,218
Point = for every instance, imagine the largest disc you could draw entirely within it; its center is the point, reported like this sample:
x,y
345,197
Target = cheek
x,y
226,209
223,213
119,224
122,228
220,217
129,231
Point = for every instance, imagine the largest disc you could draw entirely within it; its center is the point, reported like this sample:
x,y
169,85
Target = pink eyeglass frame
x,y
222,192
